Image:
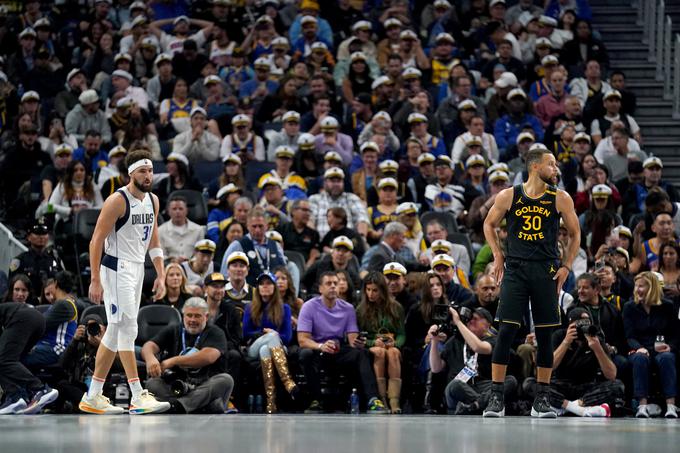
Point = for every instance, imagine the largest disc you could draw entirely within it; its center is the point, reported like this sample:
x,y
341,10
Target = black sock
x,y
497,387
542,388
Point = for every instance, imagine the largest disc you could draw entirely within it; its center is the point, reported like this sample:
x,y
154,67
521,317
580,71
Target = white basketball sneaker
x,y
99,405
147,404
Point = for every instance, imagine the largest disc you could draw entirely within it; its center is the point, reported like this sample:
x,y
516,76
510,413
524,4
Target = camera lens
x,y
93,329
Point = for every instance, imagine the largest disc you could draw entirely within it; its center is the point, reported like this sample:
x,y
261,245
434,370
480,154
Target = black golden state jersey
x,y
533,225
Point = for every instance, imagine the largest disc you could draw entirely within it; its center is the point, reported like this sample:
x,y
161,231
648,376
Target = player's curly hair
x,y
137,155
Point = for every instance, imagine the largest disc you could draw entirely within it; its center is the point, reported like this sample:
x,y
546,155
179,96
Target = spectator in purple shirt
x,y
323,323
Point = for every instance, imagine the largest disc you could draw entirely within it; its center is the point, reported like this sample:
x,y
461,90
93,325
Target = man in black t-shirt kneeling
x,y
186,364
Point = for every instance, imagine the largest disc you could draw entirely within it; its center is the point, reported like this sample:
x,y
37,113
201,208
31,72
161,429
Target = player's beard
x,y
550,180
142,187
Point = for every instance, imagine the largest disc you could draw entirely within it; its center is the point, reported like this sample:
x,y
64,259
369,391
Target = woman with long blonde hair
x,y
267,329
650,328
176,291
382,318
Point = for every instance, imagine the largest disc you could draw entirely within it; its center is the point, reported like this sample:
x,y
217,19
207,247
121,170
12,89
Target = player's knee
x,y
127,334
110,338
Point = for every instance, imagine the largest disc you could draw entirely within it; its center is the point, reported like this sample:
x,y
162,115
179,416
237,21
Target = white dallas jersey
x,y
131,235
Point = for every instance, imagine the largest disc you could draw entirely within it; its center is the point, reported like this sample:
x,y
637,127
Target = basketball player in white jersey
x,y
125,230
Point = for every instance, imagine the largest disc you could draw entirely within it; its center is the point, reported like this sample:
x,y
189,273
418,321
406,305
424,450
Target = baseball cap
x,y
394,268
74,72
266,276
214,277
238,256
343,241
205,245
334,172
506,79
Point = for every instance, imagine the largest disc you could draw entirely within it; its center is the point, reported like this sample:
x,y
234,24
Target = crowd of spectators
x,y
346,154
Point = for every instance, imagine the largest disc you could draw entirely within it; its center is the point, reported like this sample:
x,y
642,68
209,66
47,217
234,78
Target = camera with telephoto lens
x,y
586,327
179,385
93,329
442,317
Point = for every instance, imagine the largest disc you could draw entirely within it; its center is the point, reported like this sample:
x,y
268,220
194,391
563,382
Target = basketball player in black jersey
x,y
530,270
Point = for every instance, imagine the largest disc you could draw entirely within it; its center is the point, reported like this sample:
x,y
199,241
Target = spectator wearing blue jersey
x,y
508,127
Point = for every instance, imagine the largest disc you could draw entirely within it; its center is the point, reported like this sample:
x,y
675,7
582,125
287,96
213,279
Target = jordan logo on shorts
x,y
552,269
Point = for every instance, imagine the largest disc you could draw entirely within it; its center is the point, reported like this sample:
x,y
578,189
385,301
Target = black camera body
x,y
179,384
93,329
442,317
586,327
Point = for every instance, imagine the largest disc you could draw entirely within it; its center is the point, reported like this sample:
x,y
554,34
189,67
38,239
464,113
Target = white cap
x,y
179,19
227,189
122,56
601,190
406,208
382,80
416,117
334,172
475,159
408,34
495,2
538,145
231,157
196,110
385,182
498,176
332,156
28,31
343,241
383,115
240,119
137,5
161,58
507,79
473,140
270,179
394,268
74,72
118,149
411,73
308,19
64,148
442,259
88,97
280,41
125,101
238,256
549,59
441,245
290,115
442,4
611,94
178,157
149,42
543,42
388,165
500,166
392,22
212,79
369,145
467,104
274,236
547,20
652,161
329,122
306,140
361,25
123,74
623,230
516,92
262,62
43,22
30,95
139,20
444,37
582,136
525,136
319,45
426,157
284,151
356,56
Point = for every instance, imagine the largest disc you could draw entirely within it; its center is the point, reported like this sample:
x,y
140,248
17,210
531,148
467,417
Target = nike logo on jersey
x,y
133,206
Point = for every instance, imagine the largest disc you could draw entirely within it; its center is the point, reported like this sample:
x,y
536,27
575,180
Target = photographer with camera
x,y
191,372
78,362
467,359
584,376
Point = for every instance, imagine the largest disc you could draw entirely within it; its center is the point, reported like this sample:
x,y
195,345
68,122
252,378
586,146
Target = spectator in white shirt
x,y
179,235
197,143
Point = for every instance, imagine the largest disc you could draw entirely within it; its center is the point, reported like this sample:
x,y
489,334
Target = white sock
x,y
575,408
135,387
96,387
595,411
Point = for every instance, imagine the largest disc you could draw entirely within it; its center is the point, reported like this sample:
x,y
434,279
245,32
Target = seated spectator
x,y
669,267
487,294
418,126
407,213
445,267
176,291
24,393
267,330
103,174
634,199
572,116
584,376
617,79
341,257
294,186
508,127
61,321
275,105
274,201
175,112
330,139
287,136
87,116
395,277
547,28
590,89
426,175
584,47
601,125
66,100
320,332
197,144
200,264
223,213
298,236
121,80
75,193
435,231
161,86
335,196
179,178
552,105
651,330
463,394
366,177
617,162
337,222
260,86
445,194
385,210
497,181
598,219
243,143
598,176
306,30
264,254
232,173
203,362
358,79
179,235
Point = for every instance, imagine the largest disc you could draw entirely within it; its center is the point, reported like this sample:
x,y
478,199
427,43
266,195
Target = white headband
x,y
139,163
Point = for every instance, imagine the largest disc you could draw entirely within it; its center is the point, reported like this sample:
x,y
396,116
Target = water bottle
x,y
122,395
258,404
354,402
660,341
